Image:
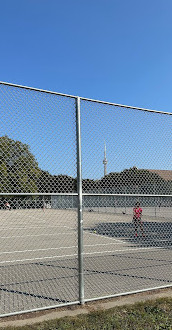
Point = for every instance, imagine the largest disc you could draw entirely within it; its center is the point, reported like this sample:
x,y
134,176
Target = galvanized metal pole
x,y
79,190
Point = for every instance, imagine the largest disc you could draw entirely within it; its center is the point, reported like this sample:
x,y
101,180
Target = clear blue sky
x,y
113,50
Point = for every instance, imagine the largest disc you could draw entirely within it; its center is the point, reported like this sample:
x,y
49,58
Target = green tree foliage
x,y
48,183
18,167
20,173
135,180
90,185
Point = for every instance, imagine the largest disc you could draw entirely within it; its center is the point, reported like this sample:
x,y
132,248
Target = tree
x,y
135,180
48,183
89,185
18,167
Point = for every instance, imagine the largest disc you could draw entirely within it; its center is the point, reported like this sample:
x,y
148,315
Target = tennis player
x,y
137,218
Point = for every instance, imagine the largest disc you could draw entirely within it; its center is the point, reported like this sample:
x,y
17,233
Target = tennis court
x,y
53,157
39,256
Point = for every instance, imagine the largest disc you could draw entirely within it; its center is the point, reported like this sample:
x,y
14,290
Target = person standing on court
x,y
137,218
7,206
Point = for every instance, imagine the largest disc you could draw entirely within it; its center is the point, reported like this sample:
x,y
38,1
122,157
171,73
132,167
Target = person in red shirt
x,y
137,218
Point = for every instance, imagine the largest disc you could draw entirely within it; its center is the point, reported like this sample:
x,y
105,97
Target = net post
x,y
79,191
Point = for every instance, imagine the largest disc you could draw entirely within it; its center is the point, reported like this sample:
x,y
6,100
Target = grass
x,y
153,314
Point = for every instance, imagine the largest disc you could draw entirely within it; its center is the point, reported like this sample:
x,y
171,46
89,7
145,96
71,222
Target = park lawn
x,y
152,314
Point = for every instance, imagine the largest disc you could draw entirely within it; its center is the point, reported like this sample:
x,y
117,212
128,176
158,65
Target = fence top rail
x,y
85,99
125,195
83,194
38,194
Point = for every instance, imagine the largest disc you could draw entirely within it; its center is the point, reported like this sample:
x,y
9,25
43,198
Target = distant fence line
x,y
89,201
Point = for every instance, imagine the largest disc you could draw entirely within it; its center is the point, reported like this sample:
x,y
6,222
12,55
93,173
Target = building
x,y
164,174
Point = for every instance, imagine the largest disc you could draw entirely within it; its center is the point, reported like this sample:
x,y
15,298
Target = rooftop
x,y
165,174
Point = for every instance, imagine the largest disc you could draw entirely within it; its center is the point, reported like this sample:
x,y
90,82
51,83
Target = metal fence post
x,y
79,190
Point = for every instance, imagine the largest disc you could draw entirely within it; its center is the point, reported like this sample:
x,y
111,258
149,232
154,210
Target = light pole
x,y
105,160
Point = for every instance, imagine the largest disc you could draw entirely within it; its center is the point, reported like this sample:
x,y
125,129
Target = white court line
x,y
33,259
39,227
70,255
36,235
114,239
23,251
115,243
59,248
76,254
19,236
125,250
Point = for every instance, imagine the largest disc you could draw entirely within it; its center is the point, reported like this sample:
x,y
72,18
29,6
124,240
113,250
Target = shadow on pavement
x,y
157,234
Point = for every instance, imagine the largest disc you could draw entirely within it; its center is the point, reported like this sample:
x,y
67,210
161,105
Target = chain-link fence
x,y
85,199
127,203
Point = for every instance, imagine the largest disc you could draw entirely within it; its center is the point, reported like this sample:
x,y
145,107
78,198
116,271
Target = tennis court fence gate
x,y
72,172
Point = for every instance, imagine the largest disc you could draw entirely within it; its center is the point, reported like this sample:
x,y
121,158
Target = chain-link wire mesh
x,y
48,255
127,202
38,233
